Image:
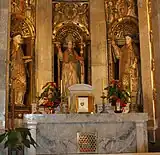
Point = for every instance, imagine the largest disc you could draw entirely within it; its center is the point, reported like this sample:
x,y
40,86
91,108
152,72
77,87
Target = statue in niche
x,y
71,65
18,69
129,67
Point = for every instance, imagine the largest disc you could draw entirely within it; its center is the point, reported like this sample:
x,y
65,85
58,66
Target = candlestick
x,y
61,87
12,109
103,101
37,84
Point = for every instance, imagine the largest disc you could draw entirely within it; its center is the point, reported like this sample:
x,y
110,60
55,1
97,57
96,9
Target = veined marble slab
x,y
116,133
78,118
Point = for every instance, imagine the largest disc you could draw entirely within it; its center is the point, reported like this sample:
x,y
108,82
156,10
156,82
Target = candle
x,y
61,86
12,109
102,85
37,84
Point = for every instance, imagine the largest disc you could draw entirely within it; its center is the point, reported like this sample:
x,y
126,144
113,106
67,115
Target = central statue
x,y
71,65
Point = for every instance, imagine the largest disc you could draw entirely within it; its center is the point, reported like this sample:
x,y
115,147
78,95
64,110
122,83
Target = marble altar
x,y
117,133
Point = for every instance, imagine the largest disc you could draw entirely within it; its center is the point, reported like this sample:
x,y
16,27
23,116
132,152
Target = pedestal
x,y
33,126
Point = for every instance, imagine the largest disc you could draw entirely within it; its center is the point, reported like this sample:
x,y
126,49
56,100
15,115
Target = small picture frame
x,y
84,104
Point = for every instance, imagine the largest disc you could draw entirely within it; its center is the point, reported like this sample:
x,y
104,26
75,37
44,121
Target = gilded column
x,y
146,60
155,10
43,43
98,47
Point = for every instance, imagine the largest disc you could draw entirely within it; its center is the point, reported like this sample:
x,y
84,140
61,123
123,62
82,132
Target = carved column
x,y
4,40
98,47
43,43
146,61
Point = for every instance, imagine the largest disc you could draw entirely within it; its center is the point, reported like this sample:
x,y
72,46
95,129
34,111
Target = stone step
x,y
150,153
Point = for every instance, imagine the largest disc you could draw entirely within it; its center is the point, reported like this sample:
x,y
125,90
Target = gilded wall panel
x,y
122,21
71,20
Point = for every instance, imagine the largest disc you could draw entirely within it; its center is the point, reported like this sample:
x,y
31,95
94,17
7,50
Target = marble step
x,y
150,153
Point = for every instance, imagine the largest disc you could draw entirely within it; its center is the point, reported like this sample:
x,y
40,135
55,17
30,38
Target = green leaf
x,y
26,142
6,144
13,136
22,129
18,138
33,142
2,137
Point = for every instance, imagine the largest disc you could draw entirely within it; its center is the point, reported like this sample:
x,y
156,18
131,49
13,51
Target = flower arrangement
x,y
50,96
116,93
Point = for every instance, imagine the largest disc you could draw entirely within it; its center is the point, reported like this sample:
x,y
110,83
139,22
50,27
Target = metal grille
x,y
87,142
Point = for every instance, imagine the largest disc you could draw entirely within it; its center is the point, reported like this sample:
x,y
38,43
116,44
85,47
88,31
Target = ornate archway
x,y
81,37
117,31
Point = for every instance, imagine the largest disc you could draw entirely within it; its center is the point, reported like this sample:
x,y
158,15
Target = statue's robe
x,y
70,69
128,67
18,74
130,70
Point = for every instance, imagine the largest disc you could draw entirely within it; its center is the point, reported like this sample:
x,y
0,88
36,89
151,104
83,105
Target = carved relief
x,y
116,9
25,8
78,34
123,26
23,25
75,12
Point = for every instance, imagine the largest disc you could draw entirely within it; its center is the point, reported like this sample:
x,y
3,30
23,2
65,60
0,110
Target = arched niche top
x,y
123,26
23,25
78,31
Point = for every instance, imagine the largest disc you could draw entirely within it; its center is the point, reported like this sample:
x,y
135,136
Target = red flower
x,y
113,81
49,104
53,84
122,104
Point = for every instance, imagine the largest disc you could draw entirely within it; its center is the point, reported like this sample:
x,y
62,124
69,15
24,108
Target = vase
x,y
113,102
118,108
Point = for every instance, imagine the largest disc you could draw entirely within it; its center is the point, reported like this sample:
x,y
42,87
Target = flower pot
x,y
118,108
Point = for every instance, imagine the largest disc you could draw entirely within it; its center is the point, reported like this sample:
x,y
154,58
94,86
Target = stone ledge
x,y
86,118
151,153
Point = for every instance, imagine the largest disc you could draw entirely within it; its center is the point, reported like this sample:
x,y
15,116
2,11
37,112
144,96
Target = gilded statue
x,y
129,66
110,11
18,69
71,64
131,8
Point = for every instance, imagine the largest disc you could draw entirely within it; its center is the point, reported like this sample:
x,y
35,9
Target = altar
x,y
73,133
